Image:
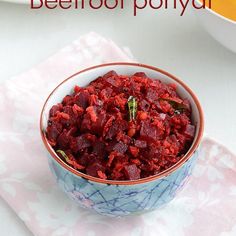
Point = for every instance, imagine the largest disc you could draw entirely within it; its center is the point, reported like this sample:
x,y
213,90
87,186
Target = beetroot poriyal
x,y
121,127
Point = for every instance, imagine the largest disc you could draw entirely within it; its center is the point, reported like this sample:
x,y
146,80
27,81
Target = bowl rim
x,y
218,14
165,173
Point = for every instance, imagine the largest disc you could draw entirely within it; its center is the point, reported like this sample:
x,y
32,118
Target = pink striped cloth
x,y
205,206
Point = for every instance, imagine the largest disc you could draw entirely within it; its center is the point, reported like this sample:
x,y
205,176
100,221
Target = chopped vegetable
x,y
121,127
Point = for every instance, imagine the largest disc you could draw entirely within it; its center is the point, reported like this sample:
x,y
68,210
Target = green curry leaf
x,y
63,154
132,106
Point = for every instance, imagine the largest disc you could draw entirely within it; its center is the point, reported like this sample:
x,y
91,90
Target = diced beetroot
x,y
111,78
153,153
83,159
140,143
72,119
144,105
77,89
68,100
190,131
94,168
102,136
151,94
134,86
120,125
172,99
63,140
106,93
123,138
173,86
82,99
113,81
53,131
100,123
81,142
55,109
187,104
110,146
86,124
109,74
140,74
99,148
132,172
149,131
120,147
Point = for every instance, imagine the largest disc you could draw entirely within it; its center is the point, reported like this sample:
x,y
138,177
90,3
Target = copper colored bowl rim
x,y
165,173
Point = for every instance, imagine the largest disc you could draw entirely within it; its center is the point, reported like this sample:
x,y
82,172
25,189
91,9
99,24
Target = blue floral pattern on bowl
x,y
122,200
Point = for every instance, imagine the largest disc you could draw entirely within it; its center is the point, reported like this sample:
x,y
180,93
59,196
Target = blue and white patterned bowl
x,y
121,198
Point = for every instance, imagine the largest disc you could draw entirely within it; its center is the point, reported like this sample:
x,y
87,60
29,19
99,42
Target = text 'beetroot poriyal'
x,y
121,127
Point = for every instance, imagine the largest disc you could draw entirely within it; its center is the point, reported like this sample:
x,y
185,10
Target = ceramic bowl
x,y
120,198
219,27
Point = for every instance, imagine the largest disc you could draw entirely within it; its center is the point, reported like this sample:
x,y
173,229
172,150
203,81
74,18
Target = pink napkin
x,y
205,206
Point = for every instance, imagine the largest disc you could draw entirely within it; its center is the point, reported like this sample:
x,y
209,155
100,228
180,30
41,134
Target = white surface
x,y
163,39
10,225
20,1
16,1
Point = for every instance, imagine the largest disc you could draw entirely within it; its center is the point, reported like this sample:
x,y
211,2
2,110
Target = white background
x,y
160,38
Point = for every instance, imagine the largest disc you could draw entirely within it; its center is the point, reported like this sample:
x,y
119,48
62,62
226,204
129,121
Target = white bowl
x,y
219,27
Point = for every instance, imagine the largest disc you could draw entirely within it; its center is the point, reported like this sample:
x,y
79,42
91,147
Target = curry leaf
x,y
132,106
178,107
63,154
